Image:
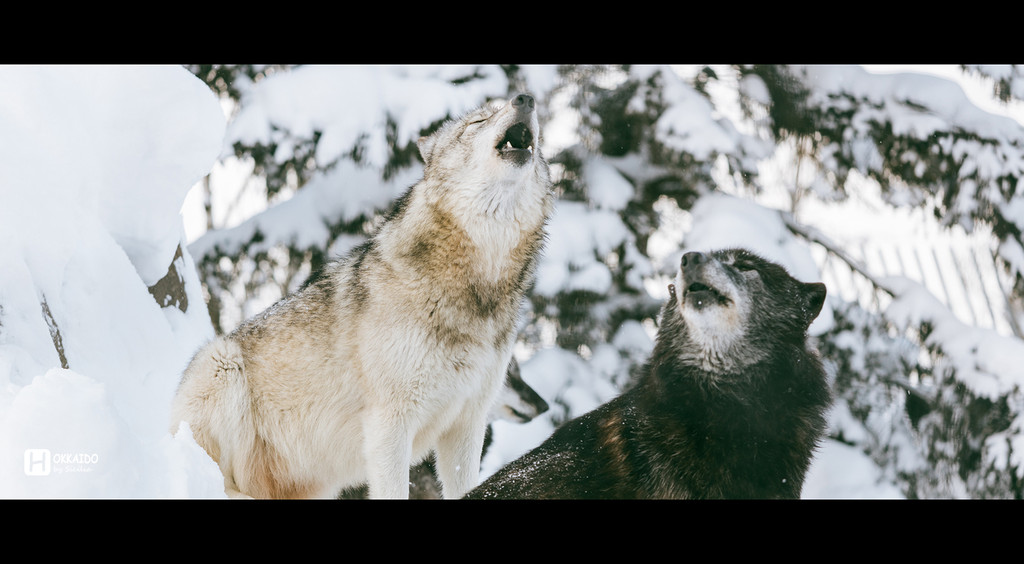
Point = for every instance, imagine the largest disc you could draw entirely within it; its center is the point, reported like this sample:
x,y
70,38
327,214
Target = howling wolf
x,y
399,348
731,403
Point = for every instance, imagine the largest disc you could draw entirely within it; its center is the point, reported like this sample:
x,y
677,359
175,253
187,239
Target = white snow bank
x,y
94,165
840,471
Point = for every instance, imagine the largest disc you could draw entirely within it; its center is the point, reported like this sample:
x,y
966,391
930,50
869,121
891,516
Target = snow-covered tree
x,y
925,145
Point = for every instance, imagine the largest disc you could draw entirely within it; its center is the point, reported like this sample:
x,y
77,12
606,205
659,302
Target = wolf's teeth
x,y
508,144
530,149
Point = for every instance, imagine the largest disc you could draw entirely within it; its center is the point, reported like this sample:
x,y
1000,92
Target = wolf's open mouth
x,y
702,294
517,143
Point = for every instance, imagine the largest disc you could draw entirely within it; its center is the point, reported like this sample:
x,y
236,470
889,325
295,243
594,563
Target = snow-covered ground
x,y
95,165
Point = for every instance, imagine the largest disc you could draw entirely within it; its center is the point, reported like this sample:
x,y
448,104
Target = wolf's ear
x,y
814,299
426,145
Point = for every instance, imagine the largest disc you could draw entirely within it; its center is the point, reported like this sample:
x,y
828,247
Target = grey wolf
x,y
399,348
731,403
517,403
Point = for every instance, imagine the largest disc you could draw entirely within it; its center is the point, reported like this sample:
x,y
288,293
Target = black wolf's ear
x,y
426,145
814,299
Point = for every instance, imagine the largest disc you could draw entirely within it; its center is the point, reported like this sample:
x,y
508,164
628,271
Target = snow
x,y
690,123
96,162
840,471
95,165
302,220
987,362
949,103
606,187
321,98
577,237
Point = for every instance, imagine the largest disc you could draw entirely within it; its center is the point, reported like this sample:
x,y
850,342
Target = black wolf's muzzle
x,y
697,288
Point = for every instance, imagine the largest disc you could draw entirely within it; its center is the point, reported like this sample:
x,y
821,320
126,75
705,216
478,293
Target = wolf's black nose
x,y
692,259
523,103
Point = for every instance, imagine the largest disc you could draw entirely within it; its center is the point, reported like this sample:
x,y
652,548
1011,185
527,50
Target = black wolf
x,y
731,403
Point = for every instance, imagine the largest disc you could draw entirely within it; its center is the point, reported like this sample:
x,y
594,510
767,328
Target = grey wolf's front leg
x,y
388,451
458,456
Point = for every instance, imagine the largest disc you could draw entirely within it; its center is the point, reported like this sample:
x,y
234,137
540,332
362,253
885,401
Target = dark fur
x,y
685,432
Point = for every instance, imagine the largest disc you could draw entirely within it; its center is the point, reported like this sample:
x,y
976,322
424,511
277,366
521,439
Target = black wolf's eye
x,y
745,266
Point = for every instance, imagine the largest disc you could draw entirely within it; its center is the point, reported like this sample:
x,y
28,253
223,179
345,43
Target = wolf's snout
x,y
692,259
516,144
699,290
523,103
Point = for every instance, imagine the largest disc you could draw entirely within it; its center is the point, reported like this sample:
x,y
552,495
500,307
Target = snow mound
x,y
96,162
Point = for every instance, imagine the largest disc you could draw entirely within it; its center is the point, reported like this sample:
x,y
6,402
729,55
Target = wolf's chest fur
x,y
461,279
